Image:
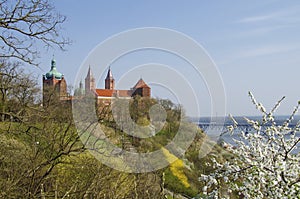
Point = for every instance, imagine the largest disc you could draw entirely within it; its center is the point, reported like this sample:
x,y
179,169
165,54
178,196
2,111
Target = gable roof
x,y
113,93
104,92
140,84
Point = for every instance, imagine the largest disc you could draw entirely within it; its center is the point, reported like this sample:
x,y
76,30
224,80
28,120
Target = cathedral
x,y
109,91
55,81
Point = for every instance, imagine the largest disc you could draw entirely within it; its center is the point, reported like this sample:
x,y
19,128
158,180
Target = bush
x,y
264,164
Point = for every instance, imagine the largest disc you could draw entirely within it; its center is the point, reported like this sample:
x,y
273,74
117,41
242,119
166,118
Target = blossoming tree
x,y
264,164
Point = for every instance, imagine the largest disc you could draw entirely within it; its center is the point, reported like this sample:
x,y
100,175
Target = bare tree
x,y
25,23
18,91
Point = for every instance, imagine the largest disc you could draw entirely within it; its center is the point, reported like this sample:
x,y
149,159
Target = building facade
x,y
109,92
54,84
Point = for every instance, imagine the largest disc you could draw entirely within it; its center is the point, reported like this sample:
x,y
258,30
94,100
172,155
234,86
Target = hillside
x,y
44,156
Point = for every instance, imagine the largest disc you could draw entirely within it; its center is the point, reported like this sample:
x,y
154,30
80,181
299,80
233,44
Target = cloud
x,y
262,30
267,50
276,15
258,18
252,53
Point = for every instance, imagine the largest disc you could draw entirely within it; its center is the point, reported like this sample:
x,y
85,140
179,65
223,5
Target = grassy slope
x,y
180,177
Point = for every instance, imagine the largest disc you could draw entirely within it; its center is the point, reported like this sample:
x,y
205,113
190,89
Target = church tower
x,y
54,81
89,82
109,81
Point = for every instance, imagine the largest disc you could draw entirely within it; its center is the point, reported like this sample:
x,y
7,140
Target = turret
x,y
89,81
54,82
109,80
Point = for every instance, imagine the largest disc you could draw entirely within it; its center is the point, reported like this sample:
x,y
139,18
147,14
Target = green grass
x,y
20,133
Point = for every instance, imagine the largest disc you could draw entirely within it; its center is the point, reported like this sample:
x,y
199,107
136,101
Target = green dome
x,y
53,72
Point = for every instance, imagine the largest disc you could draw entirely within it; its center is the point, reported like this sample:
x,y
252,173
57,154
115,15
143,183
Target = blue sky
x,y
254,44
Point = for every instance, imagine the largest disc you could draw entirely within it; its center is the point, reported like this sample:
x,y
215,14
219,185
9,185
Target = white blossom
x,y
265,164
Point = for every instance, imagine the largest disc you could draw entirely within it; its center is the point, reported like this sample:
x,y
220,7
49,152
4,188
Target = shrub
x,y
265,164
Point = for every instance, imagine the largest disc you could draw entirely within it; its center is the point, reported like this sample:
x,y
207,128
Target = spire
x,y
89,81
109,74
109,80
89,73
53,63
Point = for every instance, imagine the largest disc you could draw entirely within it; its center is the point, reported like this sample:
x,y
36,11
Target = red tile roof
x,y
104,92
120,93
141,84
112,93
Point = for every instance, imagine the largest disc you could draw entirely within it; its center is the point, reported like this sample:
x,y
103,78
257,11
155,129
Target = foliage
x,y
176,167
31,151
34,138
264,164
42,156
175,177
18,91
12,155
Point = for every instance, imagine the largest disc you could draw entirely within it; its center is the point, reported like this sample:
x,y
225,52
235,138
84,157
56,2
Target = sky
x,y
255,46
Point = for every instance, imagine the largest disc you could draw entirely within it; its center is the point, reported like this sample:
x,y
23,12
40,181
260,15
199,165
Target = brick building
x,y
54,83
109,92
